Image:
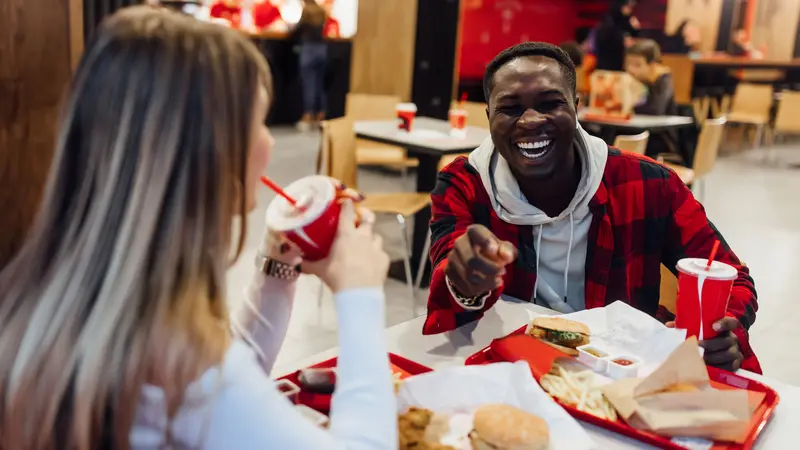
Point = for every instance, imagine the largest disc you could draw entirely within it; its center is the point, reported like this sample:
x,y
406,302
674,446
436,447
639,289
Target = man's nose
x,y
531,118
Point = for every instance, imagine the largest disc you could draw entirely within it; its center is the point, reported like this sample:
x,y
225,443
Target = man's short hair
x,y
529,49
647,49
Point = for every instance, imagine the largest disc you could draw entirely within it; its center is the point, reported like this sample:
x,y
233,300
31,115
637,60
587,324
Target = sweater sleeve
x,y
451,216
263,319
249,413
690,234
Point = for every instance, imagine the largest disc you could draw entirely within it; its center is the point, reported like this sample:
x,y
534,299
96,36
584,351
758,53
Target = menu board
x,y
279,15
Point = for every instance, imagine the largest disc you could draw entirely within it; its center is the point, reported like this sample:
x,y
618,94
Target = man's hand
x,y
477,262
723,351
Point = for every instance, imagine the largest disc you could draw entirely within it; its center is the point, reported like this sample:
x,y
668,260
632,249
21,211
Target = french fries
x,y
577,389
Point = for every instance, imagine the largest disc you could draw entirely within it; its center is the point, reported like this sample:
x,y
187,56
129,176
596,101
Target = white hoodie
x,y
560,242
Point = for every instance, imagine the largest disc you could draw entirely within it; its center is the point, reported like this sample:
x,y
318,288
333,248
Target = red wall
x,y
489,26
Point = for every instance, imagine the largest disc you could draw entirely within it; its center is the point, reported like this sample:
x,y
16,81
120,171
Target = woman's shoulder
x,y
221,390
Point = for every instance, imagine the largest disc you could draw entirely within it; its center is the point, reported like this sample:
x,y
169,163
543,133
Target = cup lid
x,y
407,107
718,270
313,194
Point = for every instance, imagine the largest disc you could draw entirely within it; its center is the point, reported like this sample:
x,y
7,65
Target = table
x,y
639,122
451,349
428,142
738,62
642,122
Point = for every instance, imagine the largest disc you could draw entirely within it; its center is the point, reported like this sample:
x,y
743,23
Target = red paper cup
x,y
406,112
702,295
313,224
458,122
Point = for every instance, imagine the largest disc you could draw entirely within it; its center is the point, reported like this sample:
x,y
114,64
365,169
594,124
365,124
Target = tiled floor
x,y
755,205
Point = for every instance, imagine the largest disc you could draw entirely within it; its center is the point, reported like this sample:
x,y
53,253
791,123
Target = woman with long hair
x,y
614,34
114,324
313,62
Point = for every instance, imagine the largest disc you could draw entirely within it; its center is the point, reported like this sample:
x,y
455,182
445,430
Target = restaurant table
x,y
739,62
451,349
428,141
610,128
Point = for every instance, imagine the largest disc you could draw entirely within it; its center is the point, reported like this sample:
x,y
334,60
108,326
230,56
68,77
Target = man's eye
x,y
551,105
509,109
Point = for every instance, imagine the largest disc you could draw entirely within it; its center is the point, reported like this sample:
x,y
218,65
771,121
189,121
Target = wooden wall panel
x,y
383,48
706,13
775,26
35,68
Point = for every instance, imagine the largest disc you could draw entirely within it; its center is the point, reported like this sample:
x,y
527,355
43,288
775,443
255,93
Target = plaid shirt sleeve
x,y
691,234
451,216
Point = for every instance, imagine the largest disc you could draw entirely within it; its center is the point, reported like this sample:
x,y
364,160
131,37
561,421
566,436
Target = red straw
x,y
463,99
712,255
278,190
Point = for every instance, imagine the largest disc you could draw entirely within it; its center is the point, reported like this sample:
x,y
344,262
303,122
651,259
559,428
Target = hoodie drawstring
x,y
569,253
536,249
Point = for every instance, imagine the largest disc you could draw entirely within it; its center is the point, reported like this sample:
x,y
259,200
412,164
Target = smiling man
x,y
544,212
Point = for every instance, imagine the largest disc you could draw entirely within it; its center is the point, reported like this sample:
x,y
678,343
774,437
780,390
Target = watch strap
x,y
276,269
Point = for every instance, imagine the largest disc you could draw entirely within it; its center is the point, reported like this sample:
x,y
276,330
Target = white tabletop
x,y
451,349
427,135
640,121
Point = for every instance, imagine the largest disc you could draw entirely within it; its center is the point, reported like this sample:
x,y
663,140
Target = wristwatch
x,y
276,269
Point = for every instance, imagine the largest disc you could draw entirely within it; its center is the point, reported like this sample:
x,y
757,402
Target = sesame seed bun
x,y
504,427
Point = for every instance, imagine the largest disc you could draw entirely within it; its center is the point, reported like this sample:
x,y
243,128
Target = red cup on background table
x,y
406,112
458,123
313,223
702,295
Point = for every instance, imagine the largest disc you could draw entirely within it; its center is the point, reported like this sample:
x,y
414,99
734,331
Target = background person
x,y
114,326
613,35
643,62
313,62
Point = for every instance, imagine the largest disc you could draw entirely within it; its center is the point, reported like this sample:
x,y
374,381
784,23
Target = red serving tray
x,y
322,402
720,379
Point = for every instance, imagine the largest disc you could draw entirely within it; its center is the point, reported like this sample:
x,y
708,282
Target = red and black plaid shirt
x,y
642,216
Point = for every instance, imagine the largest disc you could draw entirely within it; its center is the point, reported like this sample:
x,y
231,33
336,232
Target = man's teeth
x,y
533,145
533,150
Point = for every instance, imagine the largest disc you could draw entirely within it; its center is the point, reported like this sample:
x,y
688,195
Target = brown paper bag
x,y
695,410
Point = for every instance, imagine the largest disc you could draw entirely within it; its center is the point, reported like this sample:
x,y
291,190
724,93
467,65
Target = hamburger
x,y
504,427
563,334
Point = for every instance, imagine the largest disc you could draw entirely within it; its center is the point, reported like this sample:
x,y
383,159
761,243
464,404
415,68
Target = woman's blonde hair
x,y
122,279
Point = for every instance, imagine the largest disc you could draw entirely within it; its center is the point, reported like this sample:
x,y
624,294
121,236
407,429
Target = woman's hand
x,y
357,259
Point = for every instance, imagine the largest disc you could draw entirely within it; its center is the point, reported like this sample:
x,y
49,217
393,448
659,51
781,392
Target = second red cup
x,y
406,112
702,295
313,223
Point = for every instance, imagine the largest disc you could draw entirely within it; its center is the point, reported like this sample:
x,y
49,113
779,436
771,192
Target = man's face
x,y
532,116
638,67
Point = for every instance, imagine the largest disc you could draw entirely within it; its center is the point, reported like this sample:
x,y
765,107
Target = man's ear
x,y
487,110
577,101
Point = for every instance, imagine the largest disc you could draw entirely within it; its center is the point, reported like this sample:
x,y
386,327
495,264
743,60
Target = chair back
x,y
669,290
754,100
682,70
371,106
786,119
476,113
708,144
338,151
636,143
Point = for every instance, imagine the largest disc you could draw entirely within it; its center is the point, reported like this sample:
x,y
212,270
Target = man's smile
x,y
535,148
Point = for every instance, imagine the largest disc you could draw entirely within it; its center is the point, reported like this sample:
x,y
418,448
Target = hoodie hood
x,y
507,198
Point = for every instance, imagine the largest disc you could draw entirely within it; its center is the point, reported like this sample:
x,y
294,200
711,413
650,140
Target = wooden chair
x,y
669,290
476,117
682,69
338,160
635,144
705,156
369,153
751,105
786,118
